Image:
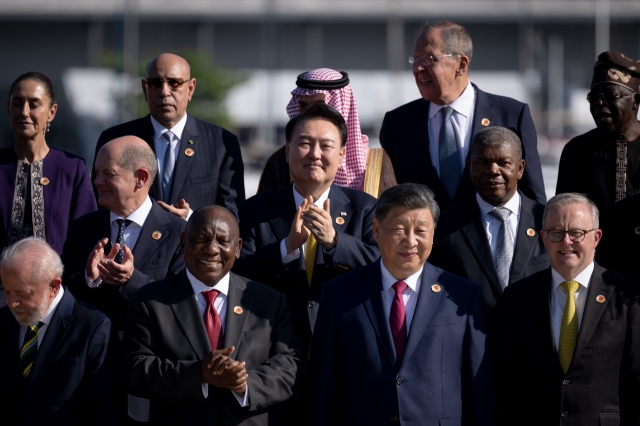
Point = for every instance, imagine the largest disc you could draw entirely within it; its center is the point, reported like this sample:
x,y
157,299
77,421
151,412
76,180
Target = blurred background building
x,y
246,55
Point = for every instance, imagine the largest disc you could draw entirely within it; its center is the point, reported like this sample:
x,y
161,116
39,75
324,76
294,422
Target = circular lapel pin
x,y
436,288
44,181
237,310
189,152
339,220
156,235
637,230
485,122
531,232
600,298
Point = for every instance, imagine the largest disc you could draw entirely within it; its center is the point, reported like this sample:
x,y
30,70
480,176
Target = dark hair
x,y
319,111
40,78
199,213
496,135
410,195
455,37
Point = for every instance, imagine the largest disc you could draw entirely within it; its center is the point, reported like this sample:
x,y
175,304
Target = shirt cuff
x,y
242,397
92,284
189,215
288,258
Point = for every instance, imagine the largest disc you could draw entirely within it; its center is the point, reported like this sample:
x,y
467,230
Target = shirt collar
x,y
159,129
462,105
46,319
199,287
389,280
513,205
138,216
582,278
298,198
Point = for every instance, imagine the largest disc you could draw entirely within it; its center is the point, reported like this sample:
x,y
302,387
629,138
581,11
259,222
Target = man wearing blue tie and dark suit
x,y
400,341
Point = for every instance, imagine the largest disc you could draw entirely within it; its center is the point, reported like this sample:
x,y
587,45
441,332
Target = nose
x,y
98,180
211,247
493,169
12,301
410,239
25,109
315,151
166,89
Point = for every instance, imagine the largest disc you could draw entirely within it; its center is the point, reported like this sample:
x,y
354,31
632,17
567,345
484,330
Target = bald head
x,y
204,214
168,60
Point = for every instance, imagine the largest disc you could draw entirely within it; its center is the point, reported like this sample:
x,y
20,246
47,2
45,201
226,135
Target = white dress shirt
x,y
131,232
161,143
462,121
220,305
559,298
492,225
46,319
299,199
409,296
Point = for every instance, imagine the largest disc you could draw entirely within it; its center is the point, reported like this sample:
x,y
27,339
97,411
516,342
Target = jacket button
x,y
310,305
564,414
393,419
399,381
565,382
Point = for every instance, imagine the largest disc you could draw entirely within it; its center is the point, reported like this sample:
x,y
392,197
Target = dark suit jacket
x,y
405,137
461,247
444,377
152,259
265,220
166,341
602,386
619,248
214,174
70,381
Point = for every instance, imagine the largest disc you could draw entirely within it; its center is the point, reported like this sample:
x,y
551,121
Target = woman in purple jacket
x,y
42,189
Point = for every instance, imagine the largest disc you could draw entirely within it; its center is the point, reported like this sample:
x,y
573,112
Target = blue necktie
x,y
167,169
122,224
450,169
504,246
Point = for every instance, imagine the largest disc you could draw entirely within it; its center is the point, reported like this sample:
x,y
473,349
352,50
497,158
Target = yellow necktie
x,y
310,256
569,326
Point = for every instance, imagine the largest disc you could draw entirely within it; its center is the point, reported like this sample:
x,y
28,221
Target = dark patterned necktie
x,y
398,320
450,168
212,322
504,246
122,224
29,348
167,167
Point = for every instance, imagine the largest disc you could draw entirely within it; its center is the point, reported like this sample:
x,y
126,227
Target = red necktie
x,y
212,321
397,320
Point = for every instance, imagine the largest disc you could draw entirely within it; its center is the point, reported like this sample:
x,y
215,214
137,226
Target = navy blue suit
x,y
265,220
214,174
405,137
444,378
70,381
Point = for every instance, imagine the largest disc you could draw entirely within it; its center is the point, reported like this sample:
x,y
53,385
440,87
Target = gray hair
x,y
567,198
455,37
496,135
35,254
134,157
410,195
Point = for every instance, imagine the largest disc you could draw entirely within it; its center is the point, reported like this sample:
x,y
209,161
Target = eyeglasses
x,y
605,97
575,235
428,60
157,82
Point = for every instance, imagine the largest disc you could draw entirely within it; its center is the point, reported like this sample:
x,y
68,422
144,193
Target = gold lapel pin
x,y
637,230
339,220
237,310
436,288
44,181
531,232
190,142
485,122
156,235
189,152
600,298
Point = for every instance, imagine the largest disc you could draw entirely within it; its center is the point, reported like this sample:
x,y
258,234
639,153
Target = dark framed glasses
x,y
575,235
157,82
606,97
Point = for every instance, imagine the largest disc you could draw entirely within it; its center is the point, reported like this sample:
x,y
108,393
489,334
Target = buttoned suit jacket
x,y
265,220
214,174
445,376
405,137
602,385
166,341
70,381
153,259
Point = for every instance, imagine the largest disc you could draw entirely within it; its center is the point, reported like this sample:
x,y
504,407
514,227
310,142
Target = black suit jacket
x,y
602,385
405,137
461,247
265,220
152,259
214,174
70,381
166,341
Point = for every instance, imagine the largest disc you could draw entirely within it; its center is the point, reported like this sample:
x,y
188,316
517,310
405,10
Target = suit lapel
x,y
184,163
482,110
234,323
156,220
524,243
185,307
374,304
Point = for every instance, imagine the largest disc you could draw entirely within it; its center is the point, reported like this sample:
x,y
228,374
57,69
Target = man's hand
x,y
95,257
114,273
299,233
319,222
180,209
221,371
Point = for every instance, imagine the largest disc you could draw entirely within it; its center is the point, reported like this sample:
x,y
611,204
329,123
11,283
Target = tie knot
x,y
570,287
210,296
123,223
447,112
168,136
35,327
501,213
400,287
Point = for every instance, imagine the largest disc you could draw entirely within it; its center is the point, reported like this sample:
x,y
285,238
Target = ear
x,y
376,228
52,112
521,169
192,88
142,177
286,151
144,89
463,65
597,235
238,247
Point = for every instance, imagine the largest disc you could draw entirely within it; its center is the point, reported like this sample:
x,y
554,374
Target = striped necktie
x,y
569,326
29,348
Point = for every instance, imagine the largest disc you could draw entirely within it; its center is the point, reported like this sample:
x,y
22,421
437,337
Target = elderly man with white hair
x,y
54,354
